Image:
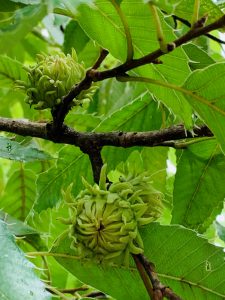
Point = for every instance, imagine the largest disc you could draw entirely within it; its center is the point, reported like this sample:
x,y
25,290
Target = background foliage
x,y
185,244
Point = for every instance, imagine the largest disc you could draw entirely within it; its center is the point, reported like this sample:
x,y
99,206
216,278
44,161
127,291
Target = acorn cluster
x,y
52,78
105,219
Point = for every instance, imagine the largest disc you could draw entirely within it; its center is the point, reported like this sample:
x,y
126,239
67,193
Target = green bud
x,y
52,78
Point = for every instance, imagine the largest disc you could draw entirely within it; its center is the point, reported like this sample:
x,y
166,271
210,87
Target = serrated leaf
x,y
174,68
130,117
199,59
185,8
14,268
71,166
13,150
208,98
11,70
187,263
19,194
198,187
16,227
20,229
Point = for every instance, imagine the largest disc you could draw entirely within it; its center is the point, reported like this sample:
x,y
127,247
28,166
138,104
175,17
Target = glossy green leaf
x,y
198,186
14,268
19,194
209,98
13,150
187,263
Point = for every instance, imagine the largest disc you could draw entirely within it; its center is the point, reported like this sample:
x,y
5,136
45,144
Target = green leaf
x,y
28,2
18,280
108,29
20,229
185,262
208,98
13,150
198,186
199,59
71,166
74,37
9,6
220,231
16,227
141,114
19,194
11,70
185,8
23,22
69,7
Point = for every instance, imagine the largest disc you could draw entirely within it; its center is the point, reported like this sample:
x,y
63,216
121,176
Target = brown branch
x,y
94,153
159,290
143,276
97,140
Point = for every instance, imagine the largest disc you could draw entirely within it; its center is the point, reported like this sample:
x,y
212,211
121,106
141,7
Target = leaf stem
x,y
195,16
130,49
159,30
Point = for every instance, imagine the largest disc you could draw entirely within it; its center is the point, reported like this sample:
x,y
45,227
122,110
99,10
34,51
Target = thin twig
x,y
62,110
159,290
55,291
188,24
143,275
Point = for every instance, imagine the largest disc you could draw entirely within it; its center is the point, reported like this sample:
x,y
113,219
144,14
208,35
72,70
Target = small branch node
x,y
200,23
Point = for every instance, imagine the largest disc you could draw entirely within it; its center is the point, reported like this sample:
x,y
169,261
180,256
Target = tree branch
x,y
159,290
97,140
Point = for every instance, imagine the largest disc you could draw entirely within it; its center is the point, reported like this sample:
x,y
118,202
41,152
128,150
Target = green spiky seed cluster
x,y
52,78
105,219
144,193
